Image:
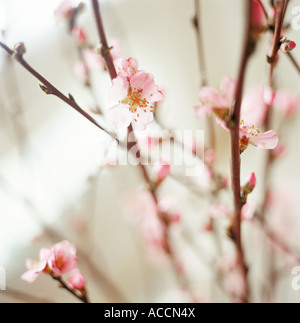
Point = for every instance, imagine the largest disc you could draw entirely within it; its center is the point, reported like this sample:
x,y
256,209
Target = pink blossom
x,y
92,60
215,101
64,10
286,102
252,135
79,34
126,67
76,280
255,104
162,170
36,267
62,258
136,96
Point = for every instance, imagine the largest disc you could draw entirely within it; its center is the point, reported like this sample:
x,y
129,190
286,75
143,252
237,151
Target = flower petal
x,y
141,119
228,89
208,96
119,115
266,140
119,88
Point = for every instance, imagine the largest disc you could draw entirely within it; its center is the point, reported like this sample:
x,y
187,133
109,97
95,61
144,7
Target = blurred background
x,y
53,185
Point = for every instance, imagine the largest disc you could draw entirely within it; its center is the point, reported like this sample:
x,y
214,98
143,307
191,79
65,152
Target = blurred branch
x,y
48,88
202,68
293,61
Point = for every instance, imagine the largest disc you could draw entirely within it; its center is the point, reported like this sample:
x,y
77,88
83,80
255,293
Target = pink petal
x,y
92,59
228,88
119,88
254,107
202,111
141,119
208,96
126,67
120,116
266,140
141,81
153,93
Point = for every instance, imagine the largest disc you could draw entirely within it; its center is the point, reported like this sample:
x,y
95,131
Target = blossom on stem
x,y
218,102
136,96
252,135
249,186
58,259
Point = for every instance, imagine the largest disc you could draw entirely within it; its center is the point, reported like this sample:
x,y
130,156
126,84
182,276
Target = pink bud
x,y
79,34
162,170
76,280
287,45
257,17
252,179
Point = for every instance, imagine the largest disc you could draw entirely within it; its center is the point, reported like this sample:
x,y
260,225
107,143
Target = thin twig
x,y
48,88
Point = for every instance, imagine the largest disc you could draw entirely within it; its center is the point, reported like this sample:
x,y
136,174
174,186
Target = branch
x,y
235,152
48,88
83,298
293,61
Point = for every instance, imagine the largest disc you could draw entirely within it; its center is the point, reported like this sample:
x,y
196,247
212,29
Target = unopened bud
x,y
19,49
249,186
287,45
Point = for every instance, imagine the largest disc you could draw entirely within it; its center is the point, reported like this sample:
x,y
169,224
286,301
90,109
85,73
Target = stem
x,y
235,155
202,68
82,298
105,50
48,88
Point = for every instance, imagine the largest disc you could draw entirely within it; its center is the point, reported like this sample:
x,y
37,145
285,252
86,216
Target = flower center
x,y
252,130
135,100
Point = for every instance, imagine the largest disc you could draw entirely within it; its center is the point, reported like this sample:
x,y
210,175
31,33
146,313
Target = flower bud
x,y
19,49
287,45
249,186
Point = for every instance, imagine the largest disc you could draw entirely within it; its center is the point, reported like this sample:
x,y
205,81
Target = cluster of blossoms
x,y
220,103
57,260
136,92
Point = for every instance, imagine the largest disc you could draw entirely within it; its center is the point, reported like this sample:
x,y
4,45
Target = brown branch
x,y
235,153
48,88
82,297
